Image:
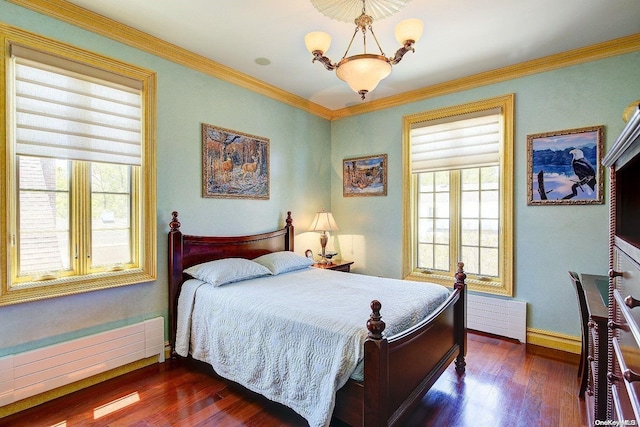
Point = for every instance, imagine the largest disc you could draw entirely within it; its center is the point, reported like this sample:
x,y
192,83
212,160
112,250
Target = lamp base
x,y
323,244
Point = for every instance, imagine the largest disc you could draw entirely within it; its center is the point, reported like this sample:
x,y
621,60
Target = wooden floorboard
x,y
504,385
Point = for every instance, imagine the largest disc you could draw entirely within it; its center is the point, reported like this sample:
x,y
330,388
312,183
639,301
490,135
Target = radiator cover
x,y
33,372
504,317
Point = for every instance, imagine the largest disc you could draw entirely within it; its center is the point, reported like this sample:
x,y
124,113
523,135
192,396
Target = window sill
x,y
33,291
482,286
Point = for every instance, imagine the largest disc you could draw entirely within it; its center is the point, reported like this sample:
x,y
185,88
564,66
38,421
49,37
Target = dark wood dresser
x,y
623,160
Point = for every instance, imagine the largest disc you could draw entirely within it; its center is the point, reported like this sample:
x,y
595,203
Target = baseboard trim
x,y
554,340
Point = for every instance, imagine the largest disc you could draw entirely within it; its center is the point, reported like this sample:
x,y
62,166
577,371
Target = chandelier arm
x,y
408,47
318,56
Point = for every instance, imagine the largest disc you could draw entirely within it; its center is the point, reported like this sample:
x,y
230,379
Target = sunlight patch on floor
x,y
115,405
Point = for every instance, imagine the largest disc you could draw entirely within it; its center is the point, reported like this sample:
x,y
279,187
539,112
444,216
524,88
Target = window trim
x,y
145,222
409,182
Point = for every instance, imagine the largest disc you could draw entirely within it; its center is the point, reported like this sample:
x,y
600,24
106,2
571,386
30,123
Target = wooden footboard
x,y
399,370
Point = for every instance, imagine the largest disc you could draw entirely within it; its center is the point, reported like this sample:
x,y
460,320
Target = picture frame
x,y
235,165
564,167
364,176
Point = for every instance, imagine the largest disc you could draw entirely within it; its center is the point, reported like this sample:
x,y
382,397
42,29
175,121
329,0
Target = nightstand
x,y
337,266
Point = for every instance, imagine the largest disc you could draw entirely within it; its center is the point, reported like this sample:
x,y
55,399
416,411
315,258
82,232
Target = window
x,y
80,171
458,174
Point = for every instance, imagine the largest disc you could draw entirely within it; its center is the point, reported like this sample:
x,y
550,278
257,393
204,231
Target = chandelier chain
x,y
351,42
376,40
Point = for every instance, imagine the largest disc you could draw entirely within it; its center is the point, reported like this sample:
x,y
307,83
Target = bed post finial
x,y
174,224
288,239
460,276
375,324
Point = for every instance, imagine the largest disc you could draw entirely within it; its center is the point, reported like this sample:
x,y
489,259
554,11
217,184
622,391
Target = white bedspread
x,y
295,338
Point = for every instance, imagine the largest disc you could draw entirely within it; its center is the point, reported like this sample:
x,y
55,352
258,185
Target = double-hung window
x,y
79,171
458,194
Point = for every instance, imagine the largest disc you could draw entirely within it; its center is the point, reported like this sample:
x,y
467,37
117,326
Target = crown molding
x,y
80,17
603,50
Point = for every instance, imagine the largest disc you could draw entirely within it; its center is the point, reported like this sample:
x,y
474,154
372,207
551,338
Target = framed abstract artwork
x,y
234,164
564,167
364,176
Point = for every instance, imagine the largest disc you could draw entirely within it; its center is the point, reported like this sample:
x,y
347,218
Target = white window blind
x,y
455,144
63,114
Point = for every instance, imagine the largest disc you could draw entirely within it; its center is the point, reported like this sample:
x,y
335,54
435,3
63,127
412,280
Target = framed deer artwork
x,y
234,164
364,176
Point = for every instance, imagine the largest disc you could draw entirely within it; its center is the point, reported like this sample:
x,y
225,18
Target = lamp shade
x,y
317,41
409,29
323,221
363,72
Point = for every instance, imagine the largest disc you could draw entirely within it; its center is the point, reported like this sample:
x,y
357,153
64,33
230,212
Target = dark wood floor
x,y
504,386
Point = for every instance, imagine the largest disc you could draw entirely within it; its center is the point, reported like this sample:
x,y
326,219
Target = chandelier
x,y
363,72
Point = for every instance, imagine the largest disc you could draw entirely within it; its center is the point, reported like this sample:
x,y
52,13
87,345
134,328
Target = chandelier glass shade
x,y
317,41
363,72
409,29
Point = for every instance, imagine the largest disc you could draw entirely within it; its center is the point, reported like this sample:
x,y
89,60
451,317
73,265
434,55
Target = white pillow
x,y
282,262
227,270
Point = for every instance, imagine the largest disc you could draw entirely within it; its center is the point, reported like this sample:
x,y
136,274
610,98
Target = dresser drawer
x,y
629,384
628,284
628,334
622,410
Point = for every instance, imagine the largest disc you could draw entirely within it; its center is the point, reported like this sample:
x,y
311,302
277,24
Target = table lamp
x,y
323,222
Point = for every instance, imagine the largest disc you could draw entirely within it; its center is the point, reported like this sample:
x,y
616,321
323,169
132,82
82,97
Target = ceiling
x,y
461,37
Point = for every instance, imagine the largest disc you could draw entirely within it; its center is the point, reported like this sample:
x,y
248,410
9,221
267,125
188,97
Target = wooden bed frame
x,y
398,370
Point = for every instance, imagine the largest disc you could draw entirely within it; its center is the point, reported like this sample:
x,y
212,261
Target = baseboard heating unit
x,y
33,372
504,317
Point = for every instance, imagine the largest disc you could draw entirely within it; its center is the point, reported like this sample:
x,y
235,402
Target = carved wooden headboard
x,y
187,250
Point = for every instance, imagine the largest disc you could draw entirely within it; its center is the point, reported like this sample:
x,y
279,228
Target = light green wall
x,y
305,178
300,180
549,240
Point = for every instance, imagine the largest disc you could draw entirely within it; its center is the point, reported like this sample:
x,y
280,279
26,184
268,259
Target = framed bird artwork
x,y
564,167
